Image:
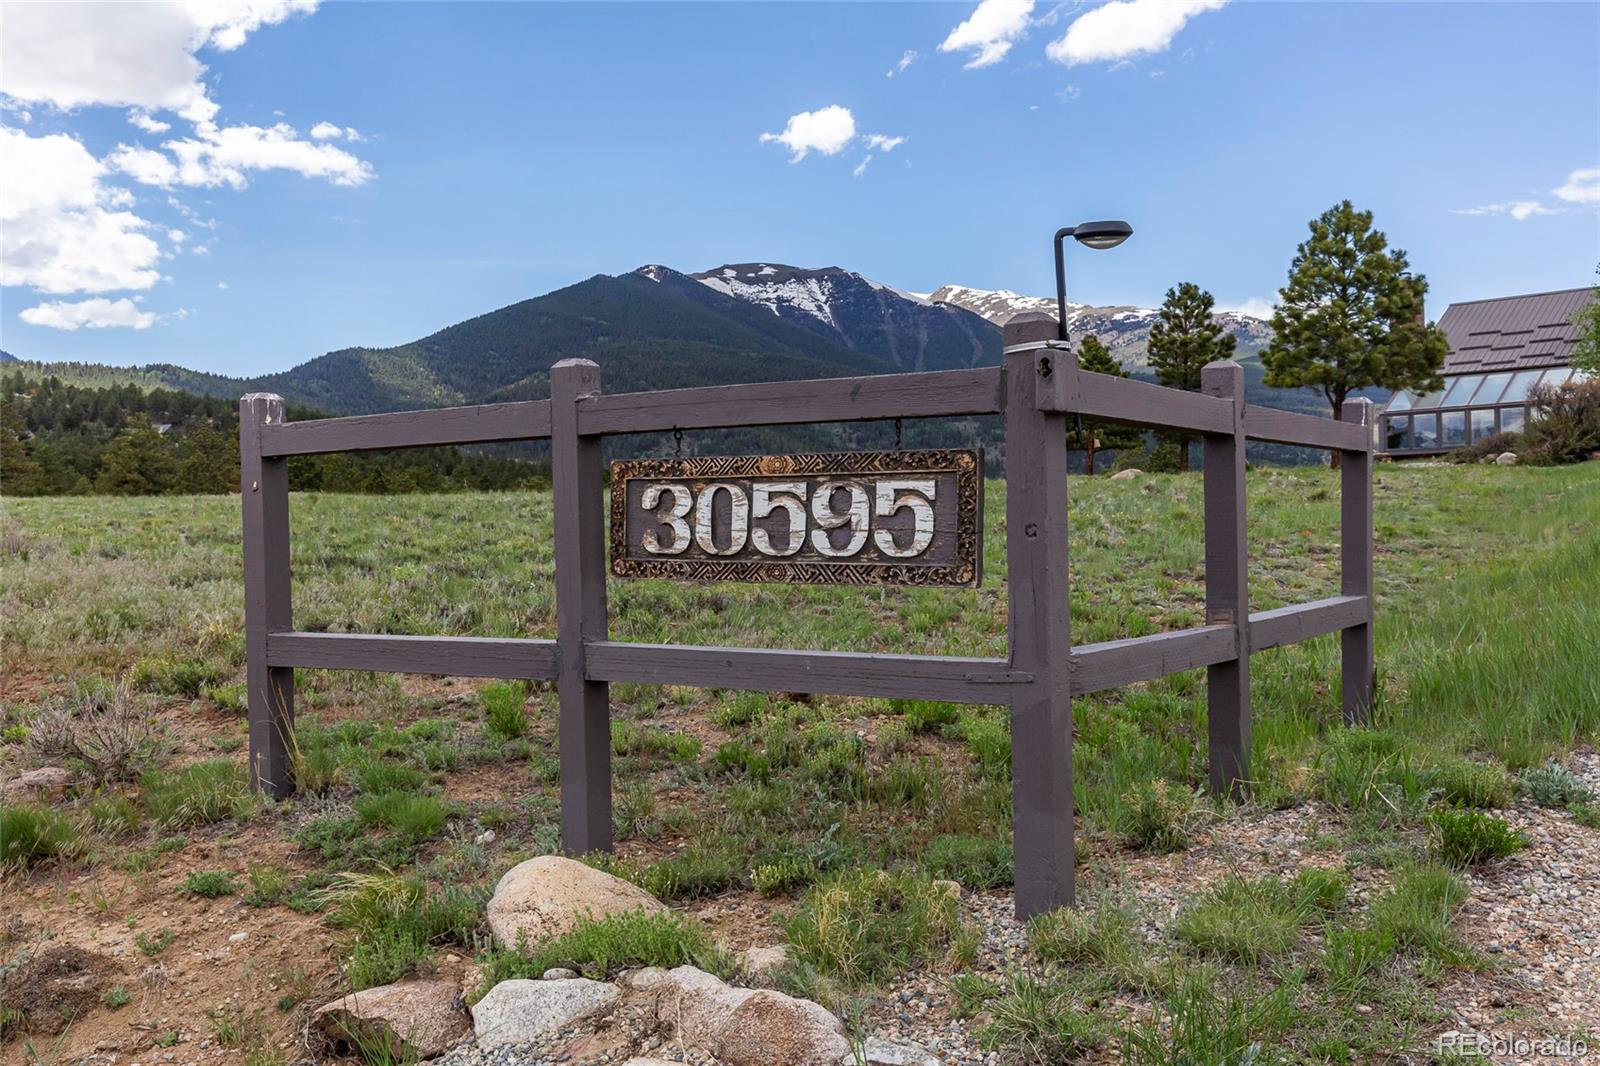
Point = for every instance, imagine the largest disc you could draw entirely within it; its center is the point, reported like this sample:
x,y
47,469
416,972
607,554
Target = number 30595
x,y
816,517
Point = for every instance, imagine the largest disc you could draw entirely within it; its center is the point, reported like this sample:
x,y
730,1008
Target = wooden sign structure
x,y
1036,390
853,518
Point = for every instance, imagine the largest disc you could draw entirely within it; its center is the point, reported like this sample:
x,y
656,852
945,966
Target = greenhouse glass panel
x,y
1400,401
1424,432
1460,390
1454,425
1511,419
1399,429
1430,400
1557,377
1493,386
1482,424
1517,391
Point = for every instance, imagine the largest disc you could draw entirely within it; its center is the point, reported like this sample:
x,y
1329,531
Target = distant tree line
x,y
58,439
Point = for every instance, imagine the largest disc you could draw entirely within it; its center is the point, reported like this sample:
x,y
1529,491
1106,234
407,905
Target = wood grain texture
x,y
952,679
1227,583
1036,557
1134,403
578,496
533,660
1357,667
269,690
919,395
478,424
1302,621
1290,427
1114,663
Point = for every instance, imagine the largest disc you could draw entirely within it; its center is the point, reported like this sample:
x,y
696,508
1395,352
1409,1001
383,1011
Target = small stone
x,y
558,973
1127,475
764,961
238,938
880,1052
1506,459
424,1016
46,784
519,1011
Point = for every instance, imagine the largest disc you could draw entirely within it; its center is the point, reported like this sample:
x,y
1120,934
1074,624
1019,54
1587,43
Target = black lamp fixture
x,y
1097,235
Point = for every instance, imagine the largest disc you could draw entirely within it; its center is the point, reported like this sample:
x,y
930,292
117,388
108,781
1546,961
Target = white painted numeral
x,y
682,501
738,524
827,519
917,495
769,496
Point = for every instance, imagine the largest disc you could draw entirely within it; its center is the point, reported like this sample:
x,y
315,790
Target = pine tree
x,y
136,464
19,474
1183,341
1351,315
1092,436
208,462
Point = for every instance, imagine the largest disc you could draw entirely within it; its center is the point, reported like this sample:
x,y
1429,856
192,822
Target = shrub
x,y
1553,785
117,997
1564,426
199,794
1466,837
1587,814
210,884
32,835
1037,1021
976,862
504,710
411,815
601,947
104,730
1487,448
926,716
395,922
152,946
862,926
167,676
1158,817
1462,782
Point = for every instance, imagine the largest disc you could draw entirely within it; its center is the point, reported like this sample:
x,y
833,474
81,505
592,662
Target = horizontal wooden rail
x,y
1287,625
774,403
953,679
1310,431
477,424
1136,403
444,656
1113,663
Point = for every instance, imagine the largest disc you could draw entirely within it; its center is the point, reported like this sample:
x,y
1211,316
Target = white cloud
x,y
1517,209
880,142
98,313
1582,187
1069,93
990,31
326,131
1125,28
200,249
144,165
861,167
223,155
126,55
177,236
826,130
909,57
61,229
222,284
142,120
1254,306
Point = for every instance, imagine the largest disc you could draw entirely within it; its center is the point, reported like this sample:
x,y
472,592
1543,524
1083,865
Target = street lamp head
x,y
1102,235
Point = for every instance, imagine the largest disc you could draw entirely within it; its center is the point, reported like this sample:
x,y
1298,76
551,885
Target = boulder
x,y
520,1011
881,1052
420,1018
1127,475
47,784
1506,458
746,1027
545,897
559,973
763,961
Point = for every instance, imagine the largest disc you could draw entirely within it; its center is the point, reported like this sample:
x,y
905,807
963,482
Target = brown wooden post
x,y
1036,585
1227,583
1355,540
264,489
578,491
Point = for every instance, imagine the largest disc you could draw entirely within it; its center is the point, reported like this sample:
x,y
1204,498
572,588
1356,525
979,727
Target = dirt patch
x,y
51,989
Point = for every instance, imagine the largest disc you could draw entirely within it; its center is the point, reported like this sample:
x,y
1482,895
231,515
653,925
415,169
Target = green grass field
x,y
1489,603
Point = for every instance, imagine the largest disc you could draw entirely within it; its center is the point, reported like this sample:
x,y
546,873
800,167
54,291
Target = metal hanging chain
x,y
897,434
677,442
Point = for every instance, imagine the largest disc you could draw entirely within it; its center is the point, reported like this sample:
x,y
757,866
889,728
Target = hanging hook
x,y
897,434
677,442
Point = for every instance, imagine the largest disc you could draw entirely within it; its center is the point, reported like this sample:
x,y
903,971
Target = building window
x,y
1454,429
1400,401
1460,390
1399,430
1424,432
1482,423
1493,386
1517,391
1511,419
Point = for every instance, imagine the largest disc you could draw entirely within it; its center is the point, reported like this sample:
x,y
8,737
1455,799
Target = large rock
x,y
47,783
746,1027
545,897
418,1017
763,962
1127,475
519,1011
1506,458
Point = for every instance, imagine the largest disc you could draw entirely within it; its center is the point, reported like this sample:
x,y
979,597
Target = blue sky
x,y
503,150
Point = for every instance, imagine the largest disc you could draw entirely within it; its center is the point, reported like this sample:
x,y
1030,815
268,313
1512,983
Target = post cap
x,y
1030,327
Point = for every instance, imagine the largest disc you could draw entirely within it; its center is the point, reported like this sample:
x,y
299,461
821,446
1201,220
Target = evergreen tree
x,y
208,462
1092,436
19,474
1586,356
136,464
1184,339
1351,315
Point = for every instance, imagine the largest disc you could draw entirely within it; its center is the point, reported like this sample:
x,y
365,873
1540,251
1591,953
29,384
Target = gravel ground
x,y
1536,916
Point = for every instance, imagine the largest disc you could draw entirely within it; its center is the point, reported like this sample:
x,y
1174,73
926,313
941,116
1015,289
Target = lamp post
x,y
1096,235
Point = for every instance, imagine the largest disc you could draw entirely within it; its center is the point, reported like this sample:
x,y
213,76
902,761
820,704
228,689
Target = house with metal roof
x,y
1499,350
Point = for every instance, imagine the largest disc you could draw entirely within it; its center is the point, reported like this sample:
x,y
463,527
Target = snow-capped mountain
x,y
866,316
1124,330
